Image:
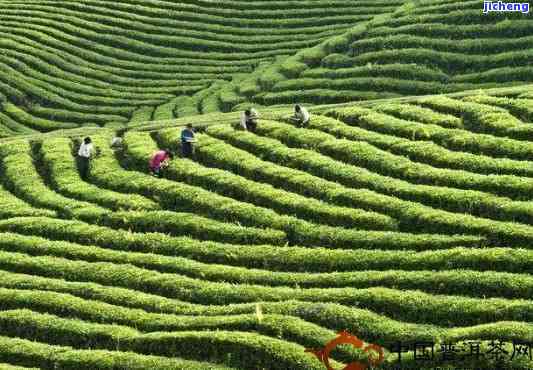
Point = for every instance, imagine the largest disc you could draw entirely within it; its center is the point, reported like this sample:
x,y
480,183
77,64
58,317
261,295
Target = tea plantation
x,y
403,213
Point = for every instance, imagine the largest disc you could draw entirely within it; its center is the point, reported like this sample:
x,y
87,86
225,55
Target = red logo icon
x,y
346,338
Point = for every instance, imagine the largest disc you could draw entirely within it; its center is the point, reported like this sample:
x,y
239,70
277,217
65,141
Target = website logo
x,y
499,6
346,338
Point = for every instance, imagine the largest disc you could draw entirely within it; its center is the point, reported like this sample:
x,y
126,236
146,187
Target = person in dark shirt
x,y
249,119
187,141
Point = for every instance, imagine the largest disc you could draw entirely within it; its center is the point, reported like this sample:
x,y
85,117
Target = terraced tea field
x,y
96,63
407,221
70,63
402,215
422,47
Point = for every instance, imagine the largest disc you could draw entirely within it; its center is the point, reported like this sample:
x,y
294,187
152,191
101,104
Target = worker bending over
x,y
301,116
116,142
249,119
159,161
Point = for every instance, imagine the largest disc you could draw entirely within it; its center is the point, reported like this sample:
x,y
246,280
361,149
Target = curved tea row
x,y
394,222
431,47
68,64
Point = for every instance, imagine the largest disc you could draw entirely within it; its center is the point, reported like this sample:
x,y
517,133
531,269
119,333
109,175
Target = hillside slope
x,y
69,63
407,221
424,47
398,218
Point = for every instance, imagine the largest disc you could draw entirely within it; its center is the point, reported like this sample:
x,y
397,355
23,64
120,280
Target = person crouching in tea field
x,y
84,158
159,161
249,119
116,142
187,141
301,116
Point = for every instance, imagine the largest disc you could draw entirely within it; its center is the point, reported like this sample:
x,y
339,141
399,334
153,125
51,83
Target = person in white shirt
x,y
116,142
249,120
84,157
301,116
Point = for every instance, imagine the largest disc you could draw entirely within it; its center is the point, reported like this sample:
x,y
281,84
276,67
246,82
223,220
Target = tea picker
x,y
249,120
159,161
187,141
301,116
84,157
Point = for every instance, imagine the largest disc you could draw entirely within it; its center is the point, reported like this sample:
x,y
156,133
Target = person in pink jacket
x,y
159,161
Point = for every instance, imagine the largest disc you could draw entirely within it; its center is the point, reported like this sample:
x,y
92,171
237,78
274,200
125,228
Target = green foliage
x,y
228,96
482,118
32,353
15,207
521,108
337,61
420,114
15,126
274,353
406,252
467,46
403,219
320,96
185,106
116,58
292,68
367,157
142,114
60,166
22,179
394,70
454,139
434,308
175,223
268,196
422,151
420,49
19,115
164,111
409,213
224,208
319,312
